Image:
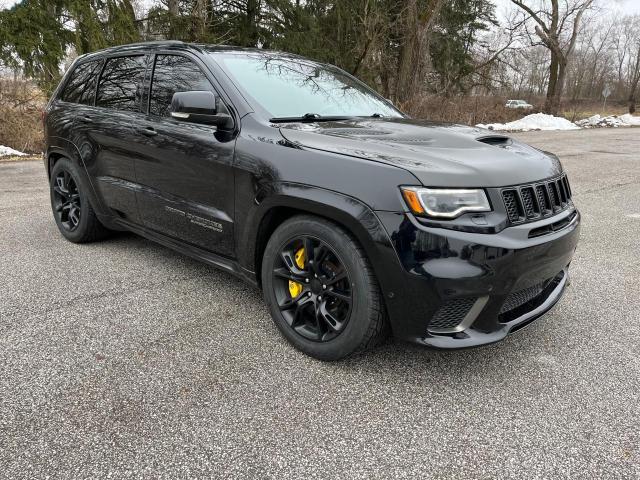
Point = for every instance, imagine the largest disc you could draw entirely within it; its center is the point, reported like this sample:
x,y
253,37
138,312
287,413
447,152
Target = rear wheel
x,y
72,211
321,290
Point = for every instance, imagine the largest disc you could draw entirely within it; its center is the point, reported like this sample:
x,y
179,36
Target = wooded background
x,y
454,60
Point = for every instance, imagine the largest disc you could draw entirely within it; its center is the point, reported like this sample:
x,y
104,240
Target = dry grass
x,y
469,110
21,130
581,109
20,158
20,112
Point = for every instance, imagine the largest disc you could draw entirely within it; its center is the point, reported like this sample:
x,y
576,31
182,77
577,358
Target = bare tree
x,y
633,65
558,31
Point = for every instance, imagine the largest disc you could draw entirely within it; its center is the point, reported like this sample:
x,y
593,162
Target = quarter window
x,y
174,73
120,85
81,86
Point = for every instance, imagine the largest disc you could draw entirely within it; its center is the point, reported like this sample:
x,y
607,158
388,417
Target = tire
x,y
364,324
71,207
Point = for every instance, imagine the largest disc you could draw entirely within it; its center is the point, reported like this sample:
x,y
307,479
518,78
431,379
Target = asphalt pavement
x,y
123,359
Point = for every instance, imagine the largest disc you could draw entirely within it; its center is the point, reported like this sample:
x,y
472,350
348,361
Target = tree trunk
x,y
407,52
557,97
252,33
174,13
414,48
553,81
200,21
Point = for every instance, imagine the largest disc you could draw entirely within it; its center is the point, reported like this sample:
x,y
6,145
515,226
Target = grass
x,y
20,158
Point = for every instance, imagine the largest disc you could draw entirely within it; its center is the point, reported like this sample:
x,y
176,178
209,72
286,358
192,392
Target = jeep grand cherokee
x,y
354,219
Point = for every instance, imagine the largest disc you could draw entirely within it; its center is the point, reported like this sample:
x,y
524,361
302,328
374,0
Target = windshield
x,y
292,87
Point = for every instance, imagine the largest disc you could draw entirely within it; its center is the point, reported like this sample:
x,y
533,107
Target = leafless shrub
x,y
469,110
21,104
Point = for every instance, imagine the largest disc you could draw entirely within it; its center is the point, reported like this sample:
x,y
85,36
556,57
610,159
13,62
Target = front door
x,y
184,170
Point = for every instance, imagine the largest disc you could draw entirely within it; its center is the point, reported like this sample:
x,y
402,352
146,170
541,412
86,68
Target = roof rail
x,y
127,46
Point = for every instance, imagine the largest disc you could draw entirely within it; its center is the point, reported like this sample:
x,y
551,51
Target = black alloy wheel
x,y
66,200
312,288
72,209
321,290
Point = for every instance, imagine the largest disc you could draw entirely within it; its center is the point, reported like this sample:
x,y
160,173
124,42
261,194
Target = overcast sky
x,y
624,6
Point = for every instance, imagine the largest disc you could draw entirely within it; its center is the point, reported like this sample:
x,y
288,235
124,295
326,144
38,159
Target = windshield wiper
x,y
311,117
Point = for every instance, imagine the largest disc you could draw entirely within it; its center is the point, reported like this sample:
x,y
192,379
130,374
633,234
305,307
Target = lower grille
x,y
519,298
451,314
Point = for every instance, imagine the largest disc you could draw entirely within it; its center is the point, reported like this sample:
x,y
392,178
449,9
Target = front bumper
x,y
487,285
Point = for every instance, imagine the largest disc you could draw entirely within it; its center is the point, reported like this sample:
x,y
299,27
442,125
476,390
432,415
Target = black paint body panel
x,y
212,195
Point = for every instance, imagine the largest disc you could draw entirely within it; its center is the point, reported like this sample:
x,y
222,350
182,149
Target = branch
x,y
533,14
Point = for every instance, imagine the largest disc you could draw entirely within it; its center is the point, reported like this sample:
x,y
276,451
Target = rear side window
x,y
81,86
120,85
174,73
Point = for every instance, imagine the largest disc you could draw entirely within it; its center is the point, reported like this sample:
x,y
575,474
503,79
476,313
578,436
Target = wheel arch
x,y
293,199
66,149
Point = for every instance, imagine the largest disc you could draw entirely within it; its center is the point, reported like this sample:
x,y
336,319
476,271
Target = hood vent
x,y
496,140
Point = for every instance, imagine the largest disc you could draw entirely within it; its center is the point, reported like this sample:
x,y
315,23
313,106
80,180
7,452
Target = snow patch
x,y
7,151
630,120
535,121
611,121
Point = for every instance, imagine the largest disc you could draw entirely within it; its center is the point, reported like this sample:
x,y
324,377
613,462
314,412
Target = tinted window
x,y
173,74
81,86
121,83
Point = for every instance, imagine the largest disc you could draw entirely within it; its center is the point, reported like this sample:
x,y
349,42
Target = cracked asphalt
x,y
123,359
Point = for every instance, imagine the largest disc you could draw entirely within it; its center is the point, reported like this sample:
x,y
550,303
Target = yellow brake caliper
x,y
295,288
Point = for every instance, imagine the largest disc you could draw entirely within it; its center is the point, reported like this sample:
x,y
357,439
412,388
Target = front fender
x,y
352,214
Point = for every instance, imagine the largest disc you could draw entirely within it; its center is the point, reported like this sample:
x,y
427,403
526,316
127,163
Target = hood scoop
x,y
496,140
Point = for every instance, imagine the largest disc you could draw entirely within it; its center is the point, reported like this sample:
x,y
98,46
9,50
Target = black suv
x,y
354,219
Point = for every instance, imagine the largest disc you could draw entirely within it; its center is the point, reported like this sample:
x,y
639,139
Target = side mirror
x,y
199,107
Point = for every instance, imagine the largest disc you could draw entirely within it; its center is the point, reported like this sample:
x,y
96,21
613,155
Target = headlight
x,y
445,202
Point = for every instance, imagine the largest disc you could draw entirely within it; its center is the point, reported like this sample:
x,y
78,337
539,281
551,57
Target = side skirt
x,y
192,251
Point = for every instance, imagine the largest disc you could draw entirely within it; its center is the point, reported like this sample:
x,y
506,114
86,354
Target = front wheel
x,y
321,290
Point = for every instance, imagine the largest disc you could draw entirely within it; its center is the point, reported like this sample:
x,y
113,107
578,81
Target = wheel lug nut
x,y
315,275
306,280
309,294
324,286
319,298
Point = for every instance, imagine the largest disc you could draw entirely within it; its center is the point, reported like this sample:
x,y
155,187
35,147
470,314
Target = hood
x,y
439,155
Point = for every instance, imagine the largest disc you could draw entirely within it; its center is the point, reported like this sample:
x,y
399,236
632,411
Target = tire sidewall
x,y
78,233
360,317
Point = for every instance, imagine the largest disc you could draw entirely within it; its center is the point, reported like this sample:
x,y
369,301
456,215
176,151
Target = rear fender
x,y
67,149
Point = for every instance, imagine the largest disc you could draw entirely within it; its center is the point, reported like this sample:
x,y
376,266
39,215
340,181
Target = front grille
x,y
531,208
511,204
525,203
451,314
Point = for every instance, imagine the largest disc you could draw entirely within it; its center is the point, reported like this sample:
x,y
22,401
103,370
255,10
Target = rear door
x,y
185,170
108,133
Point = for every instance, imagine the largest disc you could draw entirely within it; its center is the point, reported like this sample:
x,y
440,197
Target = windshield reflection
x,y
288,86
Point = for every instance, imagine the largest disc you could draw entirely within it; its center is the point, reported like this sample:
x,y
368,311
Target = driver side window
x,y
174,73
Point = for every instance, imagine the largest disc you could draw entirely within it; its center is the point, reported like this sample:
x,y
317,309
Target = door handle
x,y
149,131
